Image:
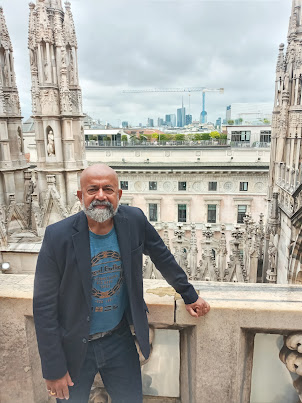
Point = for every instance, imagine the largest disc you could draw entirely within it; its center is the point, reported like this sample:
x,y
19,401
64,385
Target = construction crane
x,y
194,89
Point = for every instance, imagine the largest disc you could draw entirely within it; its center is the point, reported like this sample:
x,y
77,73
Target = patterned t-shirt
x,y
109,293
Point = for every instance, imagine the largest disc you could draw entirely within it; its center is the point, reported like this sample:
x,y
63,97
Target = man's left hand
x,y
198,308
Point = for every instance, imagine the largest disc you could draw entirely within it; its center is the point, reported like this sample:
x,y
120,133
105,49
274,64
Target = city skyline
x,y
234,48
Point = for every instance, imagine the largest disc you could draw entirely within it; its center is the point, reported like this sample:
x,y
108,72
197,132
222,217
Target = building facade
x,y
284,236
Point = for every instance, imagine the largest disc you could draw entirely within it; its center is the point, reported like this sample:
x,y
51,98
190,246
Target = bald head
x,y
98,171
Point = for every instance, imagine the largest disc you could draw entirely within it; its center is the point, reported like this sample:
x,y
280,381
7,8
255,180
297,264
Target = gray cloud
x,y
164,43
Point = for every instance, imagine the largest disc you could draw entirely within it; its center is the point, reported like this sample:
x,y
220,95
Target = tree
x,y
266,121
240,120
154,136
215,135
230,122
223,136
197,136
179,137
124,137
205,136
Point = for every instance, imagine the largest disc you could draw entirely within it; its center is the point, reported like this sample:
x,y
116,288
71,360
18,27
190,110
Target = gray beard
x,y
99,215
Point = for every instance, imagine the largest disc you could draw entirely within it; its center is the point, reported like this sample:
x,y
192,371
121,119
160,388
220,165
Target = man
x,y
89,287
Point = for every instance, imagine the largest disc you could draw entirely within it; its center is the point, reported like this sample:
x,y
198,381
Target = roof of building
x,y
28,126
187,166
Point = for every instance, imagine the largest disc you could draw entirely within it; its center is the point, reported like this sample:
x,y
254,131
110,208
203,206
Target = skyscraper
x,y
170,120
150,122
188,119
181,116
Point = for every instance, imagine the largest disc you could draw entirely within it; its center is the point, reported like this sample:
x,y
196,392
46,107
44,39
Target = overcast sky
x,y
133,44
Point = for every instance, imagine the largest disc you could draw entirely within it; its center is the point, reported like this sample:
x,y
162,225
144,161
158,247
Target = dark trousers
x,y
116,358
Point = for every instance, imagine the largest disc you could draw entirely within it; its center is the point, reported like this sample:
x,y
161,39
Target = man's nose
x,y
100,195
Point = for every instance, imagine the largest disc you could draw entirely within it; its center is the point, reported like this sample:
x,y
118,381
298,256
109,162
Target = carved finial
x,y
67,4
32,6
280,61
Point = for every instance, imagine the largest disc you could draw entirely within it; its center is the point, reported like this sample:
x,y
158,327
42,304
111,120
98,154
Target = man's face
x,y
100,195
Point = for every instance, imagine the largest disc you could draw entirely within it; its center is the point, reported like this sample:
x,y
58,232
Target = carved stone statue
x,y
50,144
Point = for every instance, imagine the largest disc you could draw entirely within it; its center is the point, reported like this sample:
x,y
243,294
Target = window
x,y
182,185
241,212
241,136
124,185
211,213
212,186
243,187
265,136
153,212
152,185
182,213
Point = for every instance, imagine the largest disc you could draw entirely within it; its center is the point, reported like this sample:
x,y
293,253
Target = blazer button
x,y
88,318
84,340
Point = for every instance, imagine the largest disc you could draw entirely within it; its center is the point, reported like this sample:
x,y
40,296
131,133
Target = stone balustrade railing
x,y
288,178
218,361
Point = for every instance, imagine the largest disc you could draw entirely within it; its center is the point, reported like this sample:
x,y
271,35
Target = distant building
x,y
181,116
218,124
188,119
249,136
125,124
160,122
249,113
171,120
150,122
203,117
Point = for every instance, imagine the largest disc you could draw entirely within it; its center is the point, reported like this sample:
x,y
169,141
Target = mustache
x,y
95,203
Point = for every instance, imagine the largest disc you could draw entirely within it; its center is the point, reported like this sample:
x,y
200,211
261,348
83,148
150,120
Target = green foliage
x,y
197,136
154,136
230,122
205,136
266,121
179,137
148,136
124,137
215,135
224,136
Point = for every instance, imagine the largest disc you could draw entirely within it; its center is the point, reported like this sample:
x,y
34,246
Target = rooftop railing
x,y
173,143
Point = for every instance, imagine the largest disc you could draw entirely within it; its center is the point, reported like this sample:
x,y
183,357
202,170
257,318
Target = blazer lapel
x,y
82,252
122,229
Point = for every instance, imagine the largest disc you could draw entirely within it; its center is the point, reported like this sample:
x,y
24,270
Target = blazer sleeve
x,y
165,262
45,307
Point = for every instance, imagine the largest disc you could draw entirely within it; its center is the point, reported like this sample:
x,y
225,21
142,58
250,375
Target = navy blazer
x,y
62,288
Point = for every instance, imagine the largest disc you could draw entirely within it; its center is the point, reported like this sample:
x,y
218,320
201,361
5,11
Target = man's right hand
x,y
59,387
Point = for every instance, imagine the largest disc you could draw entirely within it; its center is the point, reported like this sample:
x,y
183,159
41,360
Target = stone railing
x,y
221,355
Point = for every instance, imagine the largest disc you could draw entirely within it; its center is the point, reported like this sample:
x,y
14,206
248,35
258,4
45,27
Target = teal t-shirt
x,y
109,293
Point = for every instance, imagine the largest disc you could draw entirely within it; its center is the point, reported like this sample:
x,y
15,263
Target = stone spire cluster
x,y
12,159
56,99
286,151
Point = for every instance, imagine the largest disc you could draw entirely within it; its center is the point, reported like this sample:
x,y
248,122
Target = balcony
x,y
231,355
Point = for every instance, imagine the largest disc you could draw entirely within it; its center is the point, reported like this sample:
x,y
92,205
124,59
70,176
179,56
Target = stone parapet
x,y
216,350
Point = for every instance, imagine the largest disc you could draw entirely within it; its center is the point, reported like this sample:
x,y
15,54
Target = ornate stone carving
x,y
291,356
51,144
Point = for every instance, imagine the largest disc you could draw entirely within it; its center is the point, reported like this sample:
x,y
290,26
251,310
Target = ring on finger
x,y
53,393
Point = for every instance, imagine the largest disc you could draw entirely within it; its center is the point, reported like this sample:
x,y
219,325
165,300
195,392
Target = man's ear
x,y
120,192
79,194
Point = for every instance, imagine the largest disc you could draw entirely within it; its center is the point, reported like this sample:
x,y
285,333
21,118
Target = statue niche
x,y
50,142
20,141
